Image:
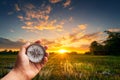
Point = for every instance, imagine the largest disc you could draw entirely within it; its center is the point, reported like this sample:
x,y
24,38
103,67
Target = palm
x,y
31,69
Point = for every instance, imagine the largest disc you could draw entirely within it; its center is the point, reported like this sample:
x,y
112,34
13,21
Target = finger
x,y
46,54
38,41
45,47
44,61
24,47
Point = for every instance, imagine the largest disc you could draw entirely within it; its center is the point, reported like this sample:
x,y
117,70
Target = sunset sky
x,y
61,24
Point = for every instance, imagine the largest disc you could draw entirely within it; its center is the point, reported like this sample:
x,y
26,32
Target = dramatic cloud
x,y
8,44
54,1
43,25
75,41
40,13
67,3
37,19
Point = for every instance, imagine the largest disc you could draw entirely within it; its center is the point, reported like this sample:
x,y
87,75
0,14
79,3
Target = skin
x,y
24,69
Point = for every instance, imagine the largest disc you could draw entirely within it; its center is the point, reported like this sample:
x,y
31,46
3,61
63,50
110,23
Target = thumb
x,y
24,47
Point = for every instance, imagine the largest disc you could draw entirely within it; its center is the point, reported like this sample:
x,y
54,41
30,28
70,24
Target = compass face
x,y
35,53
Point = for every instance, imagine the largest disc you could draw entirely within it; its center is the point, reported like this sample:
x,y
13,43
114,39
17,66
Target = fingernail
x,y
38,41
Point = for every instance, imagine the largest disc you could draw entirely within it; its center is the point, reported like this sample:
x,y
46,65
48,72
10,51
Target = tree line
x,y
8,52
110,46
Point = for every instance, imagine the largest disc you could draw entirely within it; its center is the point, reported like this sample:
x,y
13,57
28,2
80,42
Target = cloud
x,y
10,13
37,19
8,44
41,13
82,26
29,6
114,30
78,40
17,7
70,19
54,1
43,25
92,36
47,42
67,3
21,18
11,30
70,8
21,41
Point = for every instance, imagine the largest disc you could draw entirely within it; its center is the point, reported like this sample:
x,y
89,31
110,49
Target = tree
x,y
96,48
93,47
112,43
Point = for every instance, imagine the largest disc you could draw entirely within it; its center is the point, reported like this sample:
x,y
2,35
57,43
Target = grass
x,y
72,67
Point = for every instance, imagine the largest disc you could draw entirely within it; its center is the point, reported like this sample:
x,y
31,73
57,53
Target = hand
x,y
24,69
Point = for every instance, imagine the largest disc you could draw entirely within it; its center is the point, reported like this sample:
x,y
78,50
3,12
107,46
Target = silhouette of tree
x,y
96,48
8,52
112,43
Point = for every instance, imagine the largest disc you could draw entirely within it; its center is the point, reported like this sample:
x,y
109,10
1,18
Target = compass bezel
x,y
40,46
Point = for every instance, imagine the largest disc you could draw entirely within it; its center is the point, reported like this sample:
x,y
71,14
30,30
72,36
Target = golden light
x,y
62,51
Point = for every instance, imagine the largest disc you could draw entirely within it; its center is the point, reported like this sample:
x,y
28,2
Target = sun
x,y
62,51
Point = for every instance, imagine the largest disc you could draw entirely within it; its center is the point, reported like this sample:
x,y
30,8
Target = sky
x,y
60,24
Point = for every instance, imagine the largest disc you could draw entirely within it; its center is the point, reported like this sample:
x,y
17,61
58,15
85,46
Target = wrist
x,y
20,74
15,74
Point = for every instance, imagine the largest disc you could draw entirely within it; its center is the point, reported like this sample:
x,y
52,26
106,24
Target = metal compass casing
x,y
35,53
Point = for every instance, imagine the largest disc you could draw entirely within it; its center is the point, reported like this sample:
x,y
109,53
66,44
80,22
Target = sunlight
x,y
62,51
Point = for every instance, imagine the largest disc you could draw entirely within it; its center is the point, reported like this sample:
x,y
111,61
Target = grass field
x,y
72,67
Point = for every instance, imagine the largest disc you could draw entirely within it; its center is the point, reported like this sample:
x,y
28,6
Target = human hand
x,y
25,69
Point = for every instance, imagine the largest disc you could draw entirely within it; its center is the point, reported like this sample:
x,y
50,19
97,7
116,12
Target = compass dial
x,y
35,53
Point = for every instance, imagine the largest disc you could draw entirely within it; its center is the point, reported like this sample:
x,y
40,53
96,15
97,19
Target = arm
x,y
24,69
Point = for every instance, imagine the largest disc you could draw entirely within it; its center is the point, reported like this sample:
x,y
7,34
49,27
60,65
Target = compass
x,y
35,53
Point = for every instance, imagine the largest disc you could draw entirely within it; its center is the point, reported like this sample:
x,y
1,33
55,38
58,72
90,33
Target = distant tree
x,y
73,52
93,47
96,48
4,52
15,52
88,53
10,52
112,43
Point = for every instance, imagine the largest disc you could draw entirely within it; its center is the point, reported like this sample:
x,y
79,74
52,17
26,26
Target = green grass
x,y
72,67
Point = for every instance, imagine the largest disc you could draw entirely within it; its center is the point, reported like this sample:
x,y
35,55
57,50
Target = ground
x,y
71,67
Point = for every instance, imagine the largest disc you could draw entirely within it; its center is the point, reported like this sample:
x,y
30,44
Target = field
x,y
71,67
